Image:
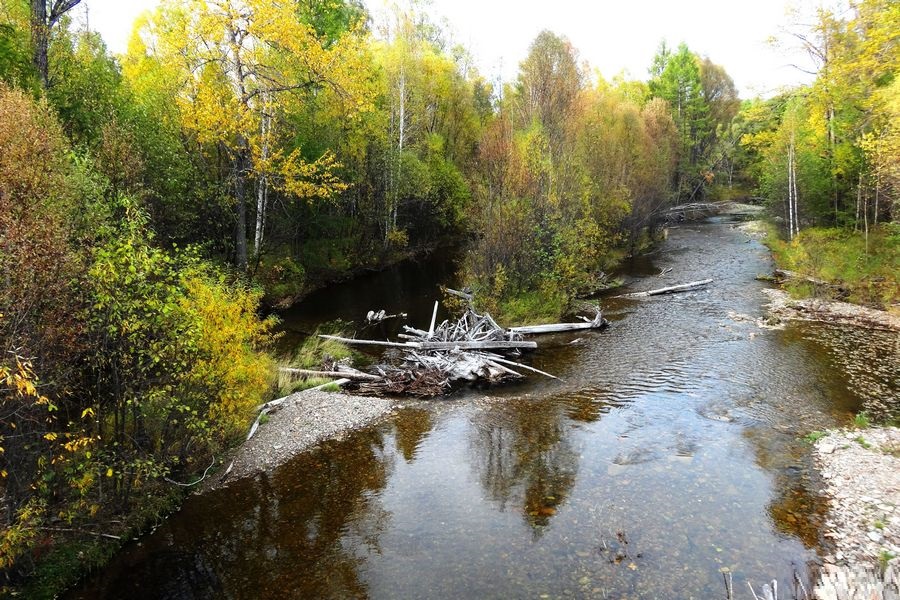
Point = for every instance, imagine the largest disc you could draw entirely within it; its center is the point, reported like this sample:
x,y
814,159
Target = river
x,y
670,451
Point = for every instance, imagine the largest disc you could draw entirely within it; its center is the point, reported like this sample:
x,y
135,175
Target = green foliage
x,y
532,307
861,420
840,256
15,46
814,436
283,279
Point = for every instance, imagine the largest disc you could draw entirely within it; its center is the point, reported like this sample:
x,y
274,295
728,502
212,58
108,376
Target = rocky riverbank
x,y
861,473
782,306
302,421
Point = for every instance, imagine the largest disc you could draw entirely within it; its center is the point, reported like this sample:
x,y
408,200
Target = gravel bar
x,y
304,420
861,471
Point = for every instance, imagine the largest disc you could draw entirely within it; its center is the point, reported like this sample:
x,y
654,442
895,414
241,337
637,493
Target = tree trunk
x,y
790,206
40,34
240,187
262,191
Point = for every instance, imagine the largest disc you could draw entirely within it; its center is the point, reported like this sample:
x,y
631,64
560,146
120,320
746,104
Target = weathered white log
x,y
486,345
684,287
381,315
337,382
351,374
433,319
370,342
414,331
556,327
255,425
785,274
465,296
495,364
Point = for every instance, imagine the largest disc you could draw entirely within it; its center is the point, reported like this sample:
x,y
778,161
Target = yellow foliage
x,y
307,180
233,368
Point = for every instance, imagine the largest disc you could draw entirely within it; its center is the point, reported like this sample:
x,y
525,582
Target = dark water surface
x,y
669,452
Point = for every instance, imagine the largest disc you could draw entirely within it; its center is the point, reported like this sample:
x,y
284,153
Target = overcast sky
x,y
612,35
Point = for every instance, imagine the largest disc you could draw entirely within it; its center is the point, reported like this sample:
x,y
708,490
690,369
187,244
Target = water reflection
x,y
523,457
318,516
412,426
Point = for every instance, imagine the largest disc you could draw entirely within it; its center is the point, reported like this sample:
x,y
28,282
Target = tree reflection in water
x,y
522,452
302,533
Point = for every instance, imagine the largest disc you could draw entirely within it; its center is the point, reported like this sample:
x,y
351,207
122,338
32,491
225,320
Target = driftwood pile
x,y
426,363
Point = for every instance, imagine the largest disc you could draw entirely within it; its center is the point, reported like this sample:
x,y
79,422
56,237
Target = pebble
x,y
864,487
304,420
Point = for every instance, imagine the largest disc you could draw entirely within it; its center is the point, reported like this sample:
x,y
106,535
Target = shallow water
x,y
668,453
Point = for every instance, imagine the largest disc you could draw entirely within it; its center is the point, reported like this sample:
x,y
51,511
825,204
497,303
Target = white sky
x,y
612,35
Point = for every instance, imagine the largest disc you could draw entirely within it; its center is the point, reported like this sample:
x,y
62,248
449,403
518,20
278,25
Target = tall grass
x,y
312,354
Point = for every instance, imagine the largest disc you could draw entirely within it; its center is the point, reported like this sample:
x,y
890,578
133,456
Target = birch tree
x,y
236,64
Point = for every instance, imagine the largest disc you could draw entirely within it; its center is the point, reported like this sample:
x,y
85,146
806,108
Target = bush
x,y
183,362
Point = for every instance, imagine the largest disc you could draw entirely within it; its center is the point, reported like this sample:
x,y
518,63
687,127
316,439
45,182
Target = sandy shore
x,y
304,420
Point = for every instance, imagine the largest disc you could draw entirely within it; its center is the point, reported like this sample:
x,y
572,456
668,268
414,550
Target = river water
x,y
669,452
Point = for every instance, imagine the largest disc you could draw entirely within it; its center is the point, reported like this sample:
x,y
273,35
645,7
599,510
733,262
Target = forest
x,y
155,206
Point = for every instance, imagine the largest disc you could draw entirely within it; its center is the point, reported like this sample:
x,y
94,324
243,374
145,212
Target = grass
x,y
885,557
862,442
861,420
311,355
814,436
531,308
867,274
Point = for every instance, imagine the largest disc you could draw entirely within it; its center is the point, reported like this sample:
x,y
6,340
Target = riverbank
x,y
281,293
305,419
861,473
841,264
782,306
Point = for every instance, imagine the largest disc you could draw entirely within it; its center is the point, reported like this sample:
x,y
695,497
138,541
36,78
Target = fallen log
x,y
337,382
555,327
370,342
468,297
352,375
373,316
486,345
785,274
684,287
